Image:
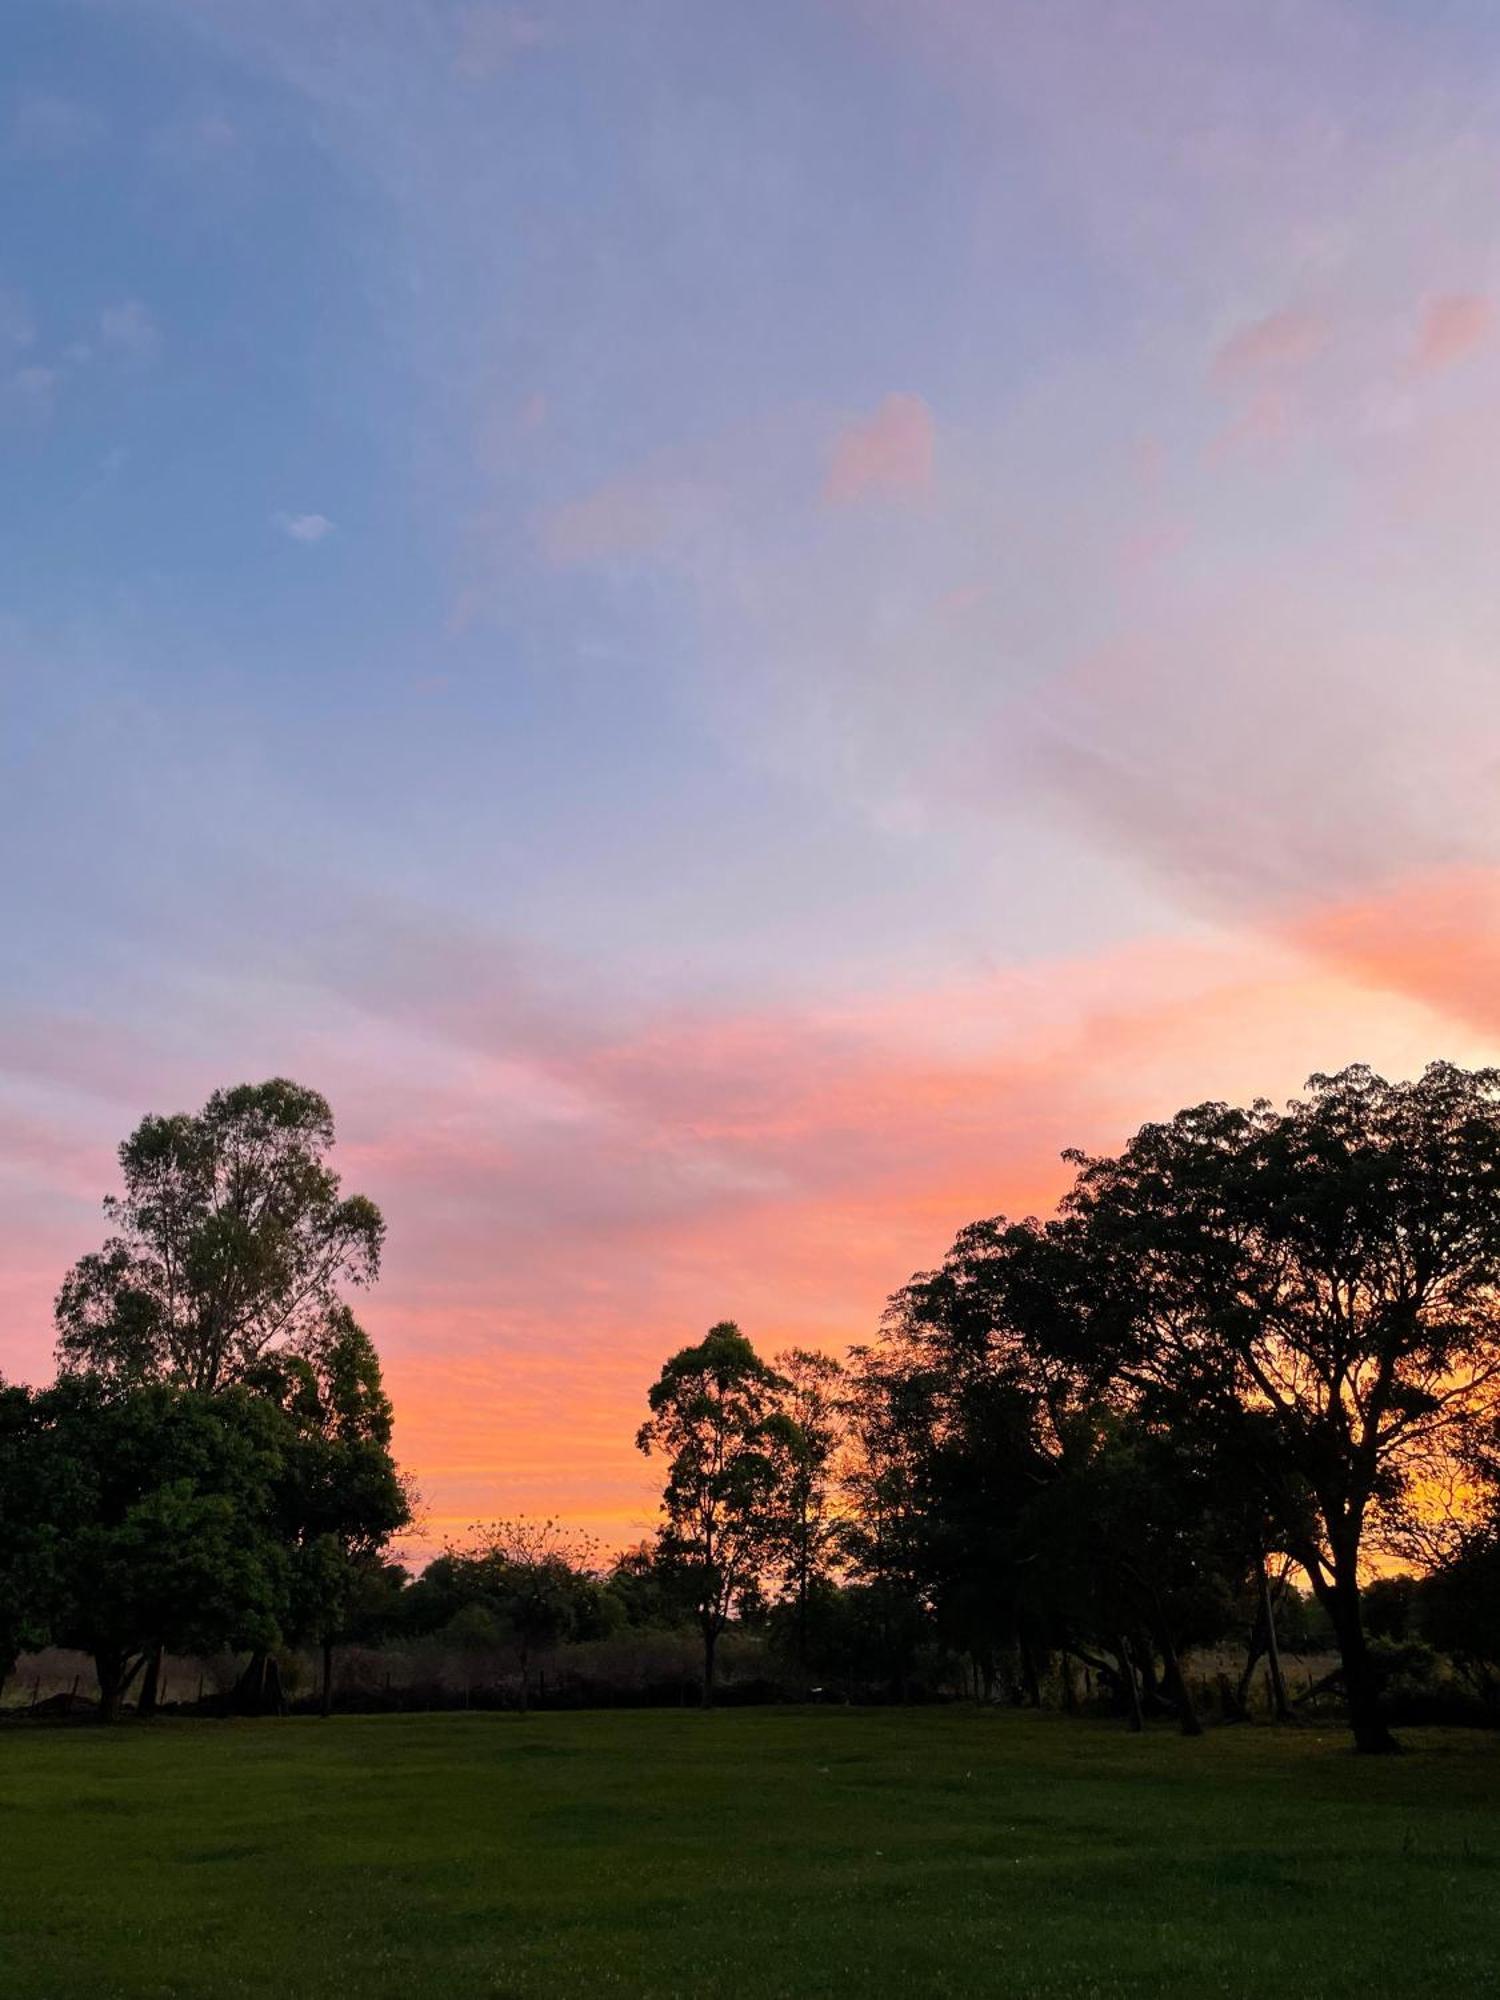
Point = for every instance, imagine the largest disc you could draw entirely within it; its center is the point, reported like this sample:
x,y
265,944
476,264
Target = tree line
x,y
1256,1345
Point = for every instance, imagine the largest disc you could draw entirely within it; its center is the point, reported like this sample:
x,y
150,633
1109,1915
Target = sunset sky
x,y
730,621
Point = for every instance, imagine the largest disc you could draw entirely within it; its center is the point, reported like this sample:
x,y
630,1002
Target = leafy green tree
x,y
231,1239
340,1498
716,1419
166,1535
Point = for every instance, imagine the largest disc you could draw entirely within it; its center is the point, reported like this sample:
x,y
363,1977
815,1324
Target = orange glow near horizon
x,y
848,1150
790,1169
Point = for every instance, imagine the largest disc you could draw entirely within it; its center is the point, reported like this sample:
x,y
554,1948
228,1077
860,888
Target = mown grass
x,y
745,1853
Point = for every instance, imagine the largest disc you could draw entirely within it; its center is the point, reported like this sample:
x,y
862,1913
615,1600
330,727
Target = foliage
x,y
231,1239
339,1498
716,1419
526,1581
165,1521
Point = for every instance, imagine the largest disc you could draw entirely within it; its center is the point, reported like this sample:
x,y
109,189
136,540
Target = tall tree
x,y
1327,1275
811,1528
231,1239
715,1418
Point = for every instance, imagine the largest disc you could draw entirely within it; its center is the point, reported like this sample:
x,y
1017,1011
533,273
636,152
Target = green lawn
x,y
746,1853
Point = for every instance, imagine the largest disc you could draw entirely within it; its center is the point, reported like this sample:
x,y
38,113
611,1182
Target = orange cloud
x,y
887,455
1433,936
1453,326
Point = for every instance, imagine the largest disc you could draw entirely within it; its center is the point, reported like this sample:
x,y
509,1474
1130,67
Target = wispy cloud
x,y
1453,326
888,455
17,324
305,528
492,36
128,330
30,394
1277,342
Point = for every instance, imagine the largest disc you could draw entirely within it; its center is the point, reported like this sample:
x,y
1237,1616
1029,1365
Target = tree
x,y
164,1502
231,1239
534,1580
811,1531
340,1498
30,1517
1326,1277
651,1591
893,1419
715,1418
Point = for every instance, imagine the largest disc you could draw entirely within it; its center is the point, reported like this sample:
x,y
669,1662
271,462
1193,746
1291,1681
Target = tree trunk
x,y
710,1645
525,1676
116,1674
1152,1700
1281,1708
1247,1673
150,1699
1137,1721
109,1668
258,1689
1177,1687
1030,1679
1361,1682
326,1706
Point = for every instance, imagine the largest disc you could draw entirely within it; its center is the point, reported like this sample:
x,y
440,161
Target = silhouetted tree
x,y
1328,1271
811,1530
651,1590
340,1497
32,1516
715,1417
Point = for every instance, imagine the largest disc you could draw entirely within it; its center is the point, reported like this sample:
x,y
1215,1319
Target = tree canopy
x,y
232,1238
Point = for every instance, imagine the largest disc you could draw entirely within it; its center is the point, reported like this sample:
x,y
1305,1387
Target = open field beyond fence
x,y
753,1853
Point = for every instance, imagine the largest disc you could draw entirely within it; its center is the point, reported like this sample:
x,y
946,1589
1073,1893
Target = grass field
x,y
746,1853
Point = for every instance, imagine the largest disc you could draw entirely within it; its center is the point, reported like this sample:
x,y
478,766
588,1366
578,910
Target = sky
x,y
730,622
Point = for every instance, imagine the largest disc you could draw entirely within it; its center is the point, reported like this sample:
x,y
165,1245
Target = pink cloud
x,y
1433,936
634,515
887,455
622,519
1281,341
1262,425
1453,326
